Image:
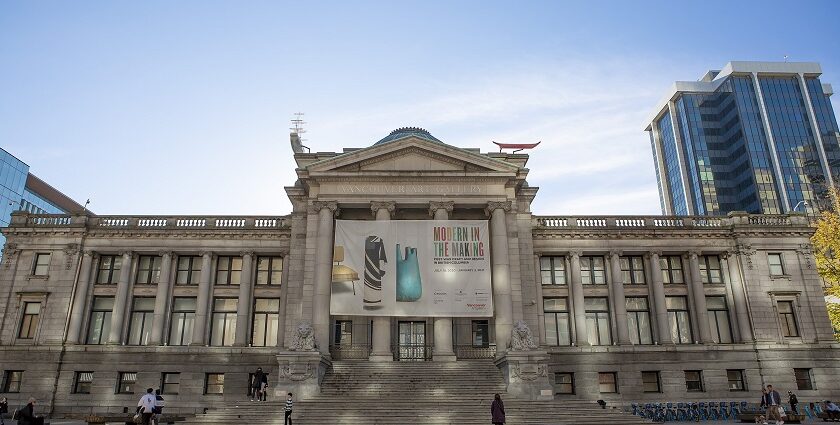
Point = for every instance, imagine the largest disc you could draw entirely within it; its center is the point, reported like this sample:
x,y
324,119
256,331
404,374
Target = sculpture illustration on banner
x,y
521,338
409,285
374,257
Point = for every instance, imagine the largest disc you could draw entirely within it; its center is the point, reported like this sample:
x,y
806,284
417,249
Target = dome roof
x,y
404,132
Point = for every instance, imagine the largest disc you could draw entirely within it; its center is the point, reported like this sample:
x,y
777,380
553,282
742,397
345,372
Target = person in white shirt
x,y
146,406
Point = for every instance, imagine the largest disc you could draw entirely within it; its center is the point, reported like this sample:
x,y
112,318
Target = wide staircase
x,y
360,392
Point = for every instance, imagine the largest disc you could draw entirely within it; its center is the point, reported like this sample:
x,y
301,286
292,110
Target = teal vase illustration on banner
x,y
409,287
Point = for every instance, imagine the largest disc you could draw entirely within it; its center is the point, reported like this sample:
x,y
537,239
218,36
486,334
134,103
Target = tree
x,y
826,241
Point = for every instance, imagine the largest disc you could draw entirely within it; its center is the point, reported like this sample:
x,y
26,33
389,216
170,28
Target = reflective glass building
x,y
759,137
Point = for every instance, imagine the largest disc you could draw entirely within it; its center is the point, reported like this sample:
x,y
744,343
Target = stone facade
x,y
278,268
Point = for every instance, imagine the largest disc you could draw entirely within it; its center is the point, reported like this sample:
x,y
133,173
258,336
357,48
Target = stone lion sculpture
x,y
521,338
303,338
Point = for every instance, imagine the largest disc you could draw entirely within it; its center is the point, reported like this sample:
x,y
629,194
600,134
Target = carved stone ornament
x,y
528,372
70,251
375,206
9,254
304,338
747,251
495,205
521,338
806,250
317,206
441,205
297,374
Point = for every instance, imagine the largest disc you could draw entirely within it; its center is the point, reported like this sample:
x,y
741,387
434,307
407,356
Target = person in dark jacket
x,y
4,408
497,410
26,415
793,402
256,384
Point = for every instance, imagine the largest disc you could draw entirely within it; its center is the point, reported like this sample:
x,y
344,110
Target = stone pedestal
x,y
301,373
526,374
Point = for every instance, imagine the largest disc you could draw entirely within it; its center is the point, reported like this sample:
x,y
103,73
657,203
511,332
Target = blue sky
x,y
183,107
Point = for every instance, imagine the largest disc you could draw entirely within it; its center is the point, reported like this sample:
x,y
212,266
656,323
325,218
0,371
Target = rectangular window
x,y
29,321
564,383
632,270
269,270
223,330
803,379
100,320
553,270
775,262
140,325
556,316
694,381
680,323
597,321
650,382
183,320
125,382
214,383
607,382
82,382
266,319
229,271
719,320
788,319
343,332
148,270
11,381
736,380
189,270
170,383
480,333
592,270
672,271
638,320
710,269
42,264
109,269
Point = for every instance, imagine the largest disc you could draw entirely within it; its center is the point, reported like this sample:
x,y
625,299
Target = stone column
x,y
699,304
739,297
205,293
657,291
121,300
323,273
381,349
161,298
443,350
74,330
243,308
622,331
502,302
578,307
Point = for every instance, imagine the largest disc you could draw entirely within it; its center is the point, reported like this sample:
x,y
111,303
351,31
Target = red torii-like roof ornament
x,y
516,146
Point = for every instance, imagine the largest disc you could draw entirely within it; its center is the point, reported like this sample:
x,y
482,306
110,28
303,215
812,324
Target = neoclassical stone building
x,y
95,308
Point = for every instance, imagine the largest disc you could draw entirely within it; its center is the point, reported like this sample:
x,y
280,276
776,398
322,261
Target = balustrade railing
x,y
468,352
149,222
666,222
350,351
412,352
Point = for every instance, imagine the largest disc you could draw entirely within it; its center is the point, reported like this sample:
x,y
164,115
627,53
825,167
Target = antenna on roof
x,y
297,131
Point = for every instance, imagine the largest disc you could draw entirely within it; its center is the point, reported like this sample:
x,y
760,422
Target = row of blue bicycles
x,y
707,411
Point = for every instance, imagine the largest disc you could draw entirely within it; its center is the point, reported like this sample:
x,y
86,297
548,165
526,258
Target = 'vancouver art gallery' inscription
x,y
436,189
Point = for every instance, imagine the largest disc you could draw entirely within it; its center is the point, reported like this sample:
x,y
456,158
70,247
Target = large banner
x,y
411,268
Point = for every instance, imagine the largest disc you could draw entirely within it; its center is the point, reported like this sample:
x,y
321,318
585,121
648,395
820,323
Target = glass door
x,y
412,341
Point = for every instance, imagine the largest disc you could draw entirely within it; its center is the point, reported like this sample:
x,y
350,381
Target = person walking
x,y
497,410
288,409
774,405
159,405
832,411
793,402
256,383
264,387
4,408
26,415
146,406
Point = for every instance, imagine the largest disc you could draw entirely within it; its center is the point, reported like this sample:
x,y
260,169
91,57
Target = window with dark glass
x,y
710,269
183,320
787,319
125,382
632,270
214,383
11,381
556,316
30,319
343,332
672,271
607,382
148,270
719,319
100,320
269,270
803,379
223,329
775,262
597,321
678,315
189,270
736,380
82,382
109,269
564,383
638,320
170,383
480,333
693,380
228,270
553,270
650,382
42,264
592,270
140,325
266,319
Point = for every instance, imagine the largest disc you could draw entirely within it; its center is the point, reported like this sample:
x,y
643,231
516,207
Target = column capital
x,y
88,253
616,253
206,253
129,253
441,205
317,206
247,252
375,206
495,205
165,253
575,254
651,253
693,254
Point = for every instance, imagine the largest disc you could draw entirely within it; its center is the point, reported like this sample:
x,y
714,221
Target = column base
x,y
443,357
381,358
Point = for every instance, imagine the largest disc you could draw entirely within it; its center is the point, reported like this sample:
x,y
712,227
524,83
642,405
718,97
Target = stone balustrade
x,y
670,222
21,219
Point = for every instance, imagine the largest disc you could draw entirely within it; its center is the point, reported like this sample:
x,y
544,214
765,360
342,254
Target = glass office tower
x,y
759,137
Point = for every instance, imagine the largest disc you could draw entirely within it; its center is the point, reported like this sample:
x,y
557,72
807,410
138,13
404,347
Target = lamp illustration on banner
x,y
340,272
409,286
374,257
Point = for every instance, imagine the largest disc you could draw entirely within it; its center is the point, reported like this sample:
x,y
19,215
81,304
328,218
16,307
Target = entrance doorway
x,y
412,342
